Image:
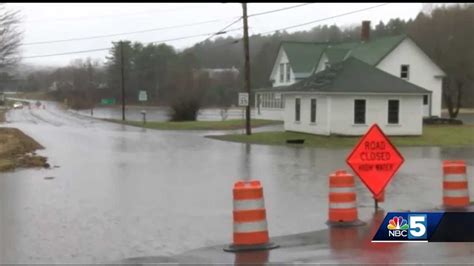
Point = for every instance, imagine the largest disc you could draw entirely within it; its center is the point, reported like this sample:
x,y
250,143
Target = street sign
x,y
375,160
243,99
107,101
142,96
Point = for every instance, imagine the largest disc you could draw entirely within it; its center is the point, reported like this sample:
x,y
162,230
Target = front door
x,y
426,105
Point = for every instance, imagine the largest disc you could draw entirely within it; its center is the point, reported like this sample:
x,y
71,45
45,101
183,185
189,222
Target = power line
x,y
277,10
108,48
207,34
310,22
67,53
123,33
327,18
222,31
162,28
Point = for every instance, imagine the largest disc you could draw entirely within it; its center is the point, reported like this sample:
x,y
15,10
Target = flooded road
x,y
121,192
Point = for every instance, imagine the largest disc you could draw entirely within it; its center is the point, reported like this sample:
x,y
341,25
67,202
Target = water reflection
x,y
246,163
252,257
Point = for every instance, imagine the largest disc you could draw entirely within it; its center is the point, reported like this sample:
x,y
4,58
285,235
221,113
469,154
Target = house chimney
x,y
365,31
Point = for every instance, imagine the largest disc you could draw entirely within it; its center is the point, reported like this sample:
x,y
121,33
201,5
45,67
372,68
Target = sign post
x,y
143,97
375,160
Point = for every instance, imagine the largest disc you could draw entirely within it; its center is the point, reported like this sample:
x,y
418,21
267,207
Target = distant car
x,y
18,105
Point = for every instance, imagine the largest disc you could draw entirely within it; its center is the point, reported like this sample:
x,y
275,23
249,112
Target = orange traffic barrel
x,y
455,189
342,200
250,219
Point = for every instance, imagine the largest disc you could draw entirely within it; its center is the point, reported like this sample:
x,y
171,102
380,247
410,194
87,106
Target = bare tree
x,y
10,37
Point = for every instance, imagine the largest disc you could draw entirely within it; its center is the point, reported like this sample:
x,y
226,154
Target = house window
x,y
404,69
282,72
425,99
393,110
288,75
297,109
313,110
359,111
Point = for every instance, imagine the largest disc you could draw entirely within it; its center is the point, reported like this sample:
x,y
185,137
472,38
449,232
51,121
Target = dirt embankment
x,y
18,150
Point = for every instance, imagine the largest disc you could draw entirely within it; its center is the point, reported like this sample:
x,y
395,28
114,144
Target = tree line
x,y
169,76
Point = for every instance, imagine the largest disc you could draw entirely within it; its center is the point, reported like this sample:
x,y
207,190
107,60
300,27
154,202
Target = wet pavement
x,y
345,245
124,192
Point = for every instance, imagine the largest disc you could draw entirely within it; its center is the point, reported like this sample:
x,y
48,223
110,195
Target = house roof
x,y
303,56
336,54
373,51
353,76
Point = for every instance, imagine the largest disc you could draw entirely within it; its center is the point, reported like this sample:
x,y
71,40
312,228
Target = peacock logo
x,y
397,223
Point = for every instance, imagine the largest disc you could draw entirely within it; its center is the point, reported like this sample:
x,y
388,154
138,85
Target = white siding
x,y
335,114
282,58
305,125
410,114
422,70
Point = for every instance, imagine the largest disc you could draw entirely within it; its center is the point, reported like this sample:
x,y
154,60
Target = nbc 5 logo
x,y
418,226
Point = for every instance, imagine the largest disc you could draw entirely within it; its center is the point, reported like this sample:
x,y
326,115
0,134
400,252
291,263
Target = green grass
x,y
198,125
433,135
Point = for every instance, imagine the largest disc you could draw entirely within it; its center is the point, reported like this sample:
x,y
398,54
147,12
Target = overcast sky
x,y
57,21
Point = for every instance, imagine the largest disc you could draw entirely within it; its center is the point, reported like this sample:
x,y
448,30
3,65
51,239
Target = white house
x,y
398,55
349,96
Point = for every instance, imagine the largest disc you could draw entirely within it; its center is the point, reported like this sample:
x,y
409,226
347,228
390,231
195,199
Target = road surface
x,y
122,192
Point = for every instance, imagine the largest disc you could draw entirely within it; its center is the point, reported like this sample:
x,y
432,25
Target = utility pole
x,y
90,87
122,80
247,68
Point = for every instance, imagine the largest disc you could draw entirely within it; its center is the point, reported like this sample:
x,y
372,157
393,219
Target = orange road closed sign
x,y
375,160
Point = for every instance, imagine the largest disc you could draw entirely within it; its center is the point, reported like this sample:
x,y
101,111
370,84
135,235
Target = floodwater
x,y
153,113
121,192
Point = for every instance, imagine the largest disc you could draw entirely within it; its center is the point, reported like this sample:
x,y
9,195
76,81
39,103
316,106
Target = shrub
x,y
185,109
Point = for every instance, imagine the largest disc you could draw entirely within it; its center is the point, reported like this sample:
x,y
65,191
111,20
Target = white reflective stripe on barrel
x,y
342,205
341,189
250,227
248,204
455,177
455,193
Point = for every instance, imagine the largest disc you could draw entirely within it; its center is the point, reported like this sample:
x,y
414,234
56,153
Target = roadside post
x,y
144,116
143,97
375,160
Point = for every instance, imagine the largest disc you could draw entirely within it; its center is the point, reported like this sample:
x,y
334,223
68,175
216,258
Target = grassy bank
x,y
442,135
18,150
198,125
